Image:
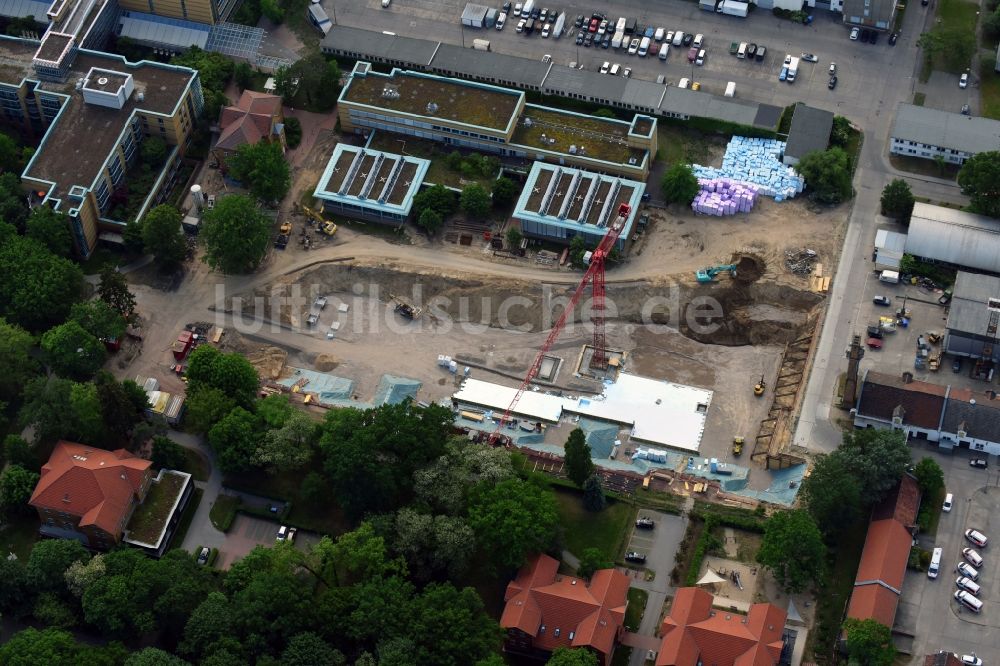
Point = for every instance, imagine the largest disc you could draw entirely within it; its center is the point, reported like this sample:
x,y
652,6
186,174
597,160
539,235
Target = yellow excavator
x,y
324,225
758,388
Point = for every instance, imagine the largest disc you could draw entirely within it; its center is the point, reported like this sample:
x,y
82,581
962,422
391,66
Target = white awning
x,y
710,578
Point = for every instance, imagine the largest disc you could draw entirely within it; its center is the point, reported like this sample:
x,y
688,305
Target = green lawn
x,y
958,15
833,595
196,465
223,512
151,516
18,535
989,90
636,607
323,517
605,530
933,505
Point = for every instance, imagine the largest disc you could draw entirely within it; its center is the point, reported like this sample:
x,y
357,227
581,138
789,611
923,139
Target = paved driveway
x,y
927,608
246,533
659,544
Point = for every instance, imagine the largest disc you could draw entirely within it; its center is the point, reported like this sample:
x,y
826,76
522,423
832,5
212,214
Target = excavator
x,y
324,225
708,274
758,388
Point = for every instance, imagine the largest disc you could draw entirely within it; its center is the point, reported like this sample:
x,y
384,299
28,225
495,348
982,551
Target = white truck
x,y
734,8
731,89
618,40
793,69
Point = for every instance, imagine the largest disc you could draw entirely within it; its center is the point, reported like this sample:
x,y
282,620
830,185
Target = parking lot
x,y
927,608
659,544
248,532
859,65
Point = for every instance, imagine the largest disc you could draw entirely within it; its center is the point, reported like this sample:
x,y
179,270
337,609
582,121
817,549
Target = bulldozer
x,y
324,225
737,445
758,388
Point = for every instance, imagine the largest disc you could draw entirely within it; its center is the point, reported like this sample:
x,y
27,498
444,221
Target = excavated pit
x,y
746,310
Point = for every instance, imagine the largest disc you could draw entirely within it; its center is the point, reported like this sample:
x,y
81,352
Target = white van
x,y
683,83
968,585
664,51
972,557
615,69
948,500
644,47
935,567
699,41
892,277
969,601
742,53
658,35
678,38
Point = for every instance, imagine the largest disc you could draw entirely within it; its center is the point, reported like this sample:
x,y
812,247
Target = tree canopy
x,y
679,184
930,476
792,548
99,319
50,228
16,360
511,519
876,458
437,198
475,201
827,174
231,373
71,351
113,290
579,466
46,286
162,235
262,167
564,656
980,179
505,192
897,200
869,642
236,235
831,494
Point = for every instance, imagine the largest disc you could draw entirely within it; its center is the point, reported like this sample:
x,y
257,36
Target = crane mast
x,y
595,278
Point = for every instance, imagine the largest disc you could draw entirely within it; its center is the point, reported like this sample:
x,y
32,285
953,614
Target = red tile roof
x,y
249,120
887,547
873,602
922,402
942,658
96,485
593,614
901,504
693,632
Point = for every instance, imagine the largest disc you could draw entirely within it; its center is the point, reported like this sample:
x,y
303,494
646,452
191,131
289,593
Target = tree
x,y
236,235
430,220
16,486
113,290
929,476
232,374
10,154
99,319
577,248
593,495
122,405
444,485
243,75
869,642
991,25
209,622
234,440
792,548
437,197
15,591
49,561
897,200
262,167
511,519
80,575
132,237
840,133
45,288
877,459
318,81
433,545
952,44
274,410
505,191
293,131
50,228
205,406
272,10
16,360
61,409
579,466
831,494
980,179
16,451
168,454
450,627
591,560
13,206
72,351
214,69
31,647
679,184
514,238
308,649
564,656
827,174
152,656
288,447
475,201
163,236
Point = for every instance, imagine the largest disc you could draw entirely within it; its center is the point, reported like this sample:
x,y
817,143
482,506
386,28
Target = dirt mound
x,y
749,268
269,361
325,362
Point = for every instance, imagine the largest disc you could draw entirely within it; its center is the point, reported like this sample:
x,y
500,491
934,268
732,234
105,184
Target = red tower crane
x,y
595,277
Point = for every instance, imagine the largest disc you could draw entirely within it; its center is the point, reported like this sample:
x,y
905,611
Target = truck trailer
x,y
734,8
481,44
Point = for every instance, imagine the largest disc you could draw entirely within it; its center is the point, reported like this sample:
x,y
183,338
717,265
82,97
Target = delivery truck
x,y
734,8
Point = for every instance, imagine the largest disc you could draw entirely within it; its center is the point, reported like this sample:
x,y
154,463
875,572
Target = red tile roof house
x,y
879,582
546,610
255,117
693,633
90,494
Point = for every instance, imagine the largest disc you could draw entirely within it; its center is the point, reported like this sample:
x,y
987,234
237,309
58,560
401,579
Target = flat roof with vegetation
x,y
571,133
149,520
428,96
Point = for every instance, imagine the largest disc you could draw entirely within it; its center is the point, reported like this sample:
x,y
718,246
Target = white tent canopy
x,y
710,578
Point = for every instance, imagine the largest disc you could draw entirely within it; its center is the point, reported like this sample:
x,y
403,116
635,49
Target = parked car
x,y
976,538
506,7
627,72
282,533
700,60
692,54
855,32
688,38
892,39
606,42
761,52
978,462
695,85
967,570
605,67
639,558
966,110
211,202
699,40
579,36
579,21
833,68
882,300
588,39
972,660
832,83
594,25
968,585
972,557
963,81
645,523
633,46
546,30
875,332
809,57
501,20
543,15
203,555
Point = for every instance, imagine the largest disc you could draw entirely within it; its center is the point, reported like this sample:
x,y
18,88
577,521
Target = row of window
x,y
409,122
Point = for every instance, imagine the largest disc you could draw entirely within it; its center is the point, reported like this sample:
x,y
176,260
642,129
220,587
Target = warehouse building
x,y
920,131
809,132
558,203
971,329
359,182
954,237
489,118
